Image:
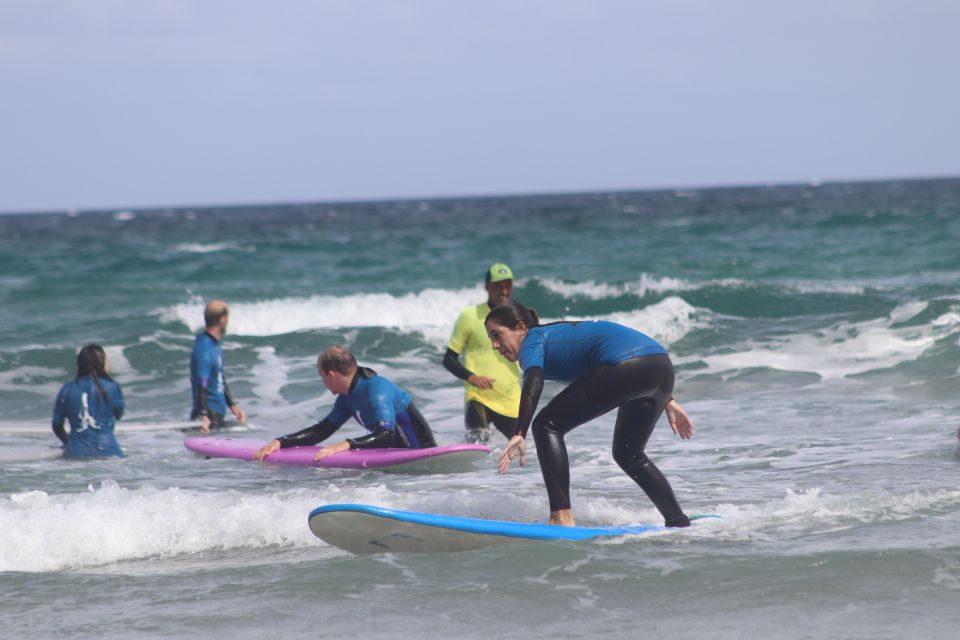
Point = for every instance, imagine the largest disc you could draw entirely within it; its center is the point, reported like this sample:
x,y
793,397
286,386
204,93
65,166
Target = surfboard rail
x,y
430,459
364,529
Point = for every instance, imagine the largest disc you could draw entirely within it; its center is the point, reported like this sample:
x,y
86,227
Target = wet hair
x,y
213,312
510,314
337,358
92,363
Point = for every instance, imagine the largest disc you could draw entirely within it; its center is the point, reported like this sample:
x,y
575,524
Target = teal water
x,y
816,334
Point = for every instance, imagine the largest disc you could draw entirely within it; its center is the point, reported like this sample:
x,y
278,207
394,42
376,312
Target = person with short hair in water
x,y
92,402
384,409
607,366
491,383
211,394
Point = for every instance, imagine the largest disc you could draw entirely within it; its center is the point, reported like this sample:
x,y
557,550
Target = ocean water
x,y
816,334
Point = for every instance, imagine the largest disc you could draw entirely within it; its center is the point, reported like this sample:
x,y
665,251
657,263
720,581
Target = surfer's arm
x,y
679,420
59,415
227,395
59,431
309,436
337,447
232,405
119,404
305,437
529,398
383,438
200,398
451,362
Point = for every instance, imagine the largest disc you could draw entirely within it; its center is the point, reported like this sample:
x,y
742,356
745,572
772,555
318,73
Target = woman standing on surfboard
x,y
92,403
608,366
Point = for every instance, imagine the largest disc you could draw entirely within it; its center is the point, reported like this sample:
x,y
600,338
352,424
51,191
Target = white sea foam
x,y
647,283
430,313
119,364
205,247
640,287
27,380
666,321
803,510
842,350
111,523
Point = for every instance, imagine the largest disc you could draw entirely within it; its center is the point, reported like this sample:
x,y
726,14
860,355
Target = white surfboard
x,y
187,426
363,529
17,454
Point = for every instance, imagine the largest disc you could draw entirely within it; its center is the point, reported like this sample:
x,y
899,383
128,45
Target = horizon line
x,y
812,182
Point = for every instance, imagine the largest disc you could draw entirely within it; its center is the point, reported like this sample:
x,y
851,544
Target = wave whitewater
x,y
430,313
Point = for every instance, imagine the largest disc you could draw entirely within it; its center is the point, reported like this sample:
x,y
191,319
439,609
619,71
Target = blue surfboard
x,y
360,528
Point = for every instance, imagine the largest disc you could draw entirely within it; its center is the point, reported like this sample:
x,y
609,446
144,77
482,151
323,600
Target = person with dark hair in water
x,y
607,366
211,394
383,408
491,383
93,403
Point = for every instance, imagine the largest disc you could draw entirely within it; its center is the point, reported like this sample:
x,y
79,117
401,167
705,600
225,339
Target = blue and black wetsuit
x,y
383,408
211,395
608,366
93,412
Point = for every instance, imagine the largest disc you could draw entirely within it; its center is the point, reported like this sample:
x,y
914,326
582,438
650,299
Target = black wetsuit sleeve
x,y
60,432
311,435
227,394
380,439
529,397
451,362
200,402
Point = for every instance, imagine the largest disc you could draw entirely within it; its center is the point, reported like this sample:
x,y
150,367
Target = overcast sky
x,y
125,103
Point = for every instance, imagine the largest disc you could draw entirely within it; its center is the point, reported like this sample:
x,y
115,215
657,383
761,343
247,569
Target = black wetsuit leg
x,y
479,416
420,427
475,416
641,388
504,424
635,422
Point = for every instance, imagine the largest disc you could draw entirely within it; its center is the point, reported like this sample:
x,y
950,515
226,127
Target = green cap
x,y
499,272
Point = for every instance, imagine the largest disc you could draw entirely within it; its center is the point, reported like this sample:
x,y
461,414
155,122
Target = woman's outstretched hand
x,y
516,447
679,420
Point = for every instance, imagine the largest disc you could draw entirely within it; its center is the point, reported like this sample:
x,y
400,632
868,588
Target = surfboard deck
x,y
457,457
187,426
365,529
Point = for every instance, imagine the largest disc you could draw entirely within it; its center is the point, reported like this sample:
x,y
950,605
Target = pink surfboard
x,y
448,458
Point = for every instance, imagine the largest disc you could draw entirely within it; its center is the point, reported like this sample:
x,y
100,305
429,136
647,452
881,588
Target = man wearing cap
x,y
492,382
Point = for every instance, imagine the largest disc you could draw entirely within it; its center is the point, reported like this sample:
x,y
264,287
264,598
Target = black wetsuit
x,y
478,416
385,410
638,382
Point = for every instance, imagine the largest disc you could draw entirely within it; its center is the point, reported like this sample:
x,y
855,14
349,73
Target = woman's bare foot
x,y
562,518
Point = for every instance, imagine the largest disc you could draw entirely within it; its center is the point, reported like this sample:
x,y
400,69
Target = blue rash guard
x,y
378,405
211,395
567,350
92,417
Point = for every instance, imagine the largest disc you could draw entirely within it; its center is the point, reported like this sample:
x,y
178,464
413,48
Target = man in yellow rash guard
x,y
492,382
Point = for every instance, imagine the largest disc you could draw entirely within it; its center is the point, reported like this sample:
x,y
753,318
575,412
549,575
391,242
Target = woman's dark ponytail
x,y
510,314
